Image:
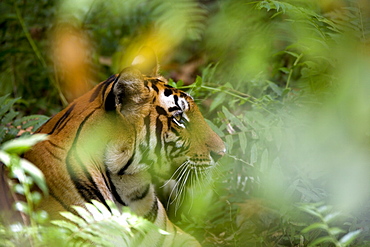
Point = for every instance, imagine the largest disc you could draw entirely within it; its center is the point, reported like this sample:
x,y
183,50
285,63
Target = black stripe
x,y
55,145
147,128
146,83
62,119
167,92
54,156
152,215
183,95
155,88
168,146
160,110
174,108
176,99
123,169
175,132
158,130
110,101
143,194
87,188
114,190
95,94
97,90
129,162
65,206
158,147
111,80
39,129
169,124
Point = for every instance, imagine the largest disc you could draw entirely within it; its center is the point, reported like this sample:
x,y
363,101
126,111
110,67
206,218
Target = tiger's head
x,y
171,137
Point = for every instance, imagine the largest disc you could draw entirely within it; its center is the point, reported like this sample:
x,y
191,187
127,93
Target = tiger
x,y
113,141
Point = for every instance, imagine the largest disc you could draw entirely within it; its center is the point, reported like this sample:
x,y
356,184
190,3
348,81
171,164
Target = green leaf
x,y
275,88
18,173
254,154
102,208
5,158
296,55
198,82
41,216
347,239
21,145
233,119
217,101
284,70
94,211
264,161
321,240
113,208
315,226
330,217
36,197
324,209
243,142
6,107
19,189
66,225
34,120
229,141
22,207
35,173
9,117
335,231
2,99
83,213
310,210
264,4
72,217
172,83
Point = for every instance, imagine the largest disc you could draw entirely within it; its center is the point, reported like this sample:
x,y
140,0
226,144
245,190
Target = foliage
x,y
101,226
97,224
284,83
27,175
13,125
326,216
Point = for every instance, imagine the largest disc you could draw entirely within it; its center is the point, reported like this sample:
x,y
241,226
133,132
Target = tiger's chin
x,y
183,181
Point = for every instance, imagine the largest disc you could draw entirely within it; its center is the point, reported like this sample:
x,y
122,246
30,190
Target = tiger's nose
x,y
217,155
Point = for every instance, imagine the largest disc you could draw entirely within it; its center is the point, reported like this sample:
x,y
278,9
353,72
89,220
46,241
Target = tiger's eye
x,y
179,120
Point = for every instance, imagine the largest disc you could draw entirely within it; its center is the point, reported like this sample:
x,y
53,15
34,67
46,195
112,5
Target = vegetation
x,y
284,83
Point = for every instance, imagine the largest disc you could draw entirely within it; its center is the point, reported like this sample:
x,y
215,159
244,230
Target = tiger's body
x,y
111,142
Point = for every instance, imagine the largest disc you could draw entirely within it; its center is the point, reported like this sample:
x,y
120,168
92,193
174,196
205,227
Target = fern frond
x,y
351,19
11,126
180,17
101,226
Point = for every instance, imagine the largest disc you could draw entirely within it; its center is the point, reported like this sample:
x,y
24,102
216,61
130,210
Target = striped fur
x,y
110,144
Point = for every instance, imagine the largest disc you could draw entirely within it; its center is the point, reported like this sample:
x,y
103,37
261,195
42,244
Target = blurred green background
x,y
286,84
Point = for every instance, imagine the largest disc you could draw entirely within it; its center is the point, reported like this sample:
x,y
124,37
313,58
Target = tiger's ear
x,y
146,61
128,92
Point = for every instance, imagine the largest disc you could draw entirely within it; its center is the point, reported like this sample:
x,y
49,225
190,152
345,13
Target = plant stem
x,y
292,68
227,92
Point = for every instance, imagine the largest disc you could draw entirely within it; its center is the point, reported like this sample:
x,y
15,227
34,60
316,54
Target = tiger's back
x,y
111,142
